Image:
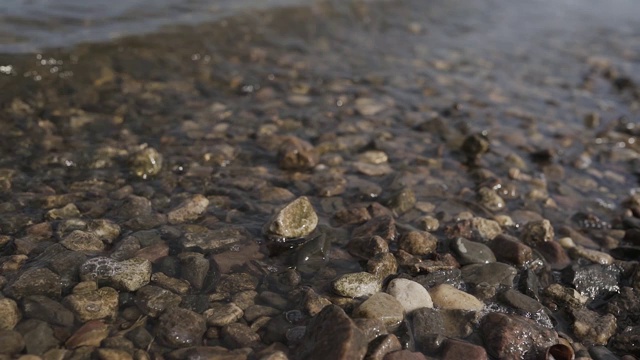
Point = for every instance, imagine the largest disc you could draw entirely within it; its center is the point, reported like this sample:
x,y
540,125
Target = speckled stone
x,y
129,275
223,314
179,327
357,285
93,305
296,219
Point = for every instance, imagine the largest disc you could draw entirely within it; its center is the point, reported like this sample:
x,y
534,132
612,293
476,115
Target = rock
x,y
45,309
475,145
237,282
90,334
314,303
383,226
384,307
38,336
352,216
188,210
410,294
565,296
297,154
510,250
445,296
223,314
591,328
554,254
515,337
593,280
146,163
105,230
194,268
382,265
244,299
357,285
69,211
9,314
490,199
132,207
470,252
208,352
453,349
332,335
93,305
369,106
484,229
172,284
35,281
372,169
179,327
79,240
383,345
525,305
367,247
493,274
625,306
625,341
239,335
402,201
112,354
11,342
296,219
254,312
404,355
128,275
153,300
537,231
445,276
213,240
418,243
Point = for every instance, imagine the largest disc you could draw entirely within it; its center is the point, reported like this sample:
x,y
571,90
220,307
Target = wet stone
x,y
45,309
194,268
69,211
212,240
446,276
593,280
94,304
565,296
357,285
410,294
244,299
172,284
591,328
493,274
404,355
79,240
445,296
189,210
402,201
554,254
475,145
471,252
112,354
383,226
296,219
153,300
383,345
510,250
367,248
536,232
627,340
384,307
490,199
297,154
418,243
484,229
427,328
223,314
522,303
9,314
239,335
453,349
332,335
382,265
254,312
625,306
146,163
34,281
38,336
515,337
106,230
129,275
89,334
132,207
11,342
314,303
181,328
237,282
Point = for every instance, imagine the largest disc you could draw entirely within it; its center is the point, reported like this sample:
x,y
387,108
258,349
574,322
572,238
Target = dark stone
x,y
554,254
332,335
493,274
475,145
591,328
367,247
593,280
522,303
529,285
42,308
625,306
35,281
38,336
237,282
448,276
181,328
404,355
515,337
627,341
297,154
140,337
471,252
194,268
383,345
153,300
238,335
457,349
428,328
510,250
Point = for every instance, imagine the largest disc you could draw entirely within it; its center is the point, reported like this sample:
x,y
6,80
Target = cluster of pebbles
x,y
255,203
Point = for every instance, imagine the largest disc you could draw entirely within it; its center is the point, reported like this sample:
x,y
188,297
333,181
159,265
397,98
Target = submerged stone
x,y
296,219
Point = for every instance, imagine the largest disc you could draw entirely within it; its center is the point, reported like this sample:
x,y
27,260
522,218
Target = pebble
x,y
537,231
79,240
593,280
493,274
213,240
93,305
471,252
128,275
404,355
356,285
38,336
179,327
223,314
11,342
515,337
69,211
525,305
112,354
554,254
9,314
383,226
153,300
485,229
418,242
194,268
591,328
297,154
239,335
146,163
172,284
510,250
383,307
254,312
331,334
90,334
382,265
189,210
296,219
383,345
35,281
45,309
367,247
490,199
445,296
410,294
454,349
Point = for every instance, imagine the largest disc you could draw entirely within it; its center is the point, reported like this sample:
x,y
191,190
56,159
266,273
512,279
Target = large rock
x,y
332,335
296,219
45,309
515,337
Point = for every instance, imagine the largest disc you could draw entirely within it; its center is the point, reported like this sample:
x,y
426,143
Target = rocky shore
x,y
357,184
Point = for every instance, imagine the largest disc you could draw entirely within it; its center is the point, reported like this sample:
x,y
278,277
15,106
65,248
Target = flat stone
x,y
213,240
471,252
593,280
223,314
112,354
153,300
493,274
9,314
332,335
35,281
515,337
79,240
525,305
93,305
384,307
128,275
591,328
172,284
45,309
454,349
410,294
194,268
90,334
445,296
11,342
237,282
179,327
357,285
189,210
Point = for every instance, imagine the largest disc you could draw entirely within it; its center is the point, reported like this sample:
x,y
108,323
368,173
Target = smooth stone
x,y
554,254
146,163
179,327
454,349
38,336
189,210
254,312
45,309
515,337
382,265
371,327
525,305
93,305
35,281
79,240
357,285
296,219
445,296
509,249
404,355
112,354
418,243
490,199
297,154
332,335
592,328
9,314
153,300
11,342
367,248
384,307
410,294
470,252
128,275
238,335
194,268
383,345
446,276
493,274
223,314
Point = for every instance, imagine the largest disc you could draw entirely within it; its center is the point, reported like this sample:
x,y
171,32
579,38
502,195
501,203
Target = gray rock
x,y
332,335
523,304
153,300
93,304
179,327
593,280
35,281
537,231
38,336
357,285
493,274
471,252
515,337
236,282
402,201
11,342
129,275
45,309
194,268
427,329
383,307
9,314
146,163
297,154
188,210
445,296
382,265
296,219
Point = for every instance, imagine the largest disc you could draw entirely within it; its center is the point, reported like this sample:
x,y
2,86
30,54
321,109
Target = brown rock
x,y
456,349
418,243
510,250
90,334
405,355
9,314
188,210
383,345
515,337
555,254
592,328
383,226
239,335
297,154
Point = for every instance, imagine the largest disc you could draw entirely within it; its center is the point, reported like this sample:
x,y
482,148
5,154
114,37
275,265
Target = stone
x,y
194,268
90,334
297,154
332,335
38,336
593,280
112,354
254,312
382,265
104,229
625,341
490,199
555,255
357,285
238,335
484,229
79,240
208,352
565,296
244,299
223,314
493,274
509,249
45,309
384,307
177,286
537,231
69,211
237,282
523,304
153,300
369,106
297,219
515,337
404,355
410,294
383,345
625,306
591,328
11,342
93,305
383,226
454,349
402,201
445,296
128,275
213,240
179,327
35,281
314,303
132,207
9,314
475,145
237,256
189,210
418,243
445,276
471,252
367,247
146,163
